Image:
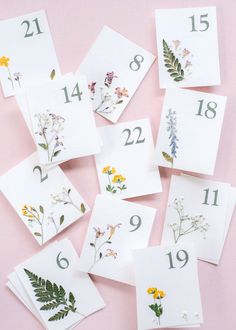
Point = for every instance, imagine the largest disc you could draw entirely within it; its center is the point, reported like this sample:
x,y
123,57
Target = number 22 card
x,y
187,47
167,287
26,52
125,165
114,67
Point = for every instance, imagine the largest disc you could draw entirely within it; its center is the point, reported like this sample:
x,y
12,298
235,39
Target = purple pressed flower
x,y
109,78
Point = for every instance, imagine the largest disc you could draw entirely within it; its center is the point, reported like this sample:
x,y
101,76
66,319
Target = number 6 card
x,y
26,52
187,47
189,131
167,287
114,67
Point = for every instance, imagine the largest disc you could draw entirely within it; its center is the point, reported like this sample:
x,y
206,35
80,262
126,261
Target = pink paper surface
x,y
74,26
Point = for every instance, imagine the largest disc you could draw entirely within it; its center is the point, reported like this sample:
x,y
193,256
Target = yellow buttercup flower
x,y
106,169
118,178
109,170
4,61
151,290
159,294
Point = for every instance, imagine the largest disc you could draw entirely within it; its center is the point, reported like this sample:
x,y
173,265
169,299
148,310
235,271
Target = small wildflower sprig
x,y
172,130
49,131
100,253
35,217
57,224
4,61
110,96
52,296
177,60
115,183
186,223
63,197
156,307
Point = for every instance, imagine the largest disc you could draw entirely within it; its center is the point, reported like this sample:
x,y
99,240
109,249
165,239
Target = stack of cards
x,y
199,211
116,228
114,72
167,287
50,285
46,202
125,165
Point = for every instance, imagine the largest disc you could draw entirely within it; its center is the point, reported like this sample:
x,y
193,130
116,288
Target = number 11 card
x,y
187,47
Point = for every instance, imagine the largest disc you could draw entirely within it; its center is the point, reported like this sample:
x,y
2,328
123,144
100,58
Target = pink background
x,y
74,27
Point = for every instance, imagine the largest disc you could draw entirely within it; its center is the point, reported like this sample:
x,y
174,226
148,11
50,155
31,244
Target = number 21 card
x,y
187,47
167,287
26,52
114,67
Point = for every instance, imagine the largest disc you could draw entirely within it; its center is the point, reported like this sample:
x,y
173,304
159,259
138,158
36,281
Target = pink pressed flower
x,y
176,43
121,92
109,78
113,229
186,52
91,87
98,232
187,64
111,253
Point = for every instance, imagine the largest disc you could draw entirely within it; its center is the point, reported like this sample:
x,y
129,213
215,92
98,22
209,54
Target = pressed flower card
x,y
125,165
26,52
114,66
189,131
167,287
116,228
62,120
199,211
187,44
59,294
46,201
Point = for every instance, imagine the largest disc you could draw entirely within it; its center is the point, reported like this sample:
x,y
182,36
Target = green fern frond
x,y
172,63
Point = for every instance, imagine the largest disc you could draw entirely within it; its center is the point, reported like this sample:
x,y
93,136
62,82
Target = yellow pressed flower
x,y
106,169
151,290
4,61
113,170
118,178
159,294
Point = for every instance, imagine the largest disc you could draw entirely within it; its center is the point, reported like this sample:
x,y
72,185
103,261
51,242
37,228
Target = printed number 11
x,y
206,197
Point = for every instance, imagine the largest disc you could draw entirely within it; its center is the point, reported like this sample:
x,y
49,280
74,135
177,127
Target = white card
x,y
61,115
46,202
189,131
125,165
116,228
115,67
198,211
57,289
167,287
27,52
187,46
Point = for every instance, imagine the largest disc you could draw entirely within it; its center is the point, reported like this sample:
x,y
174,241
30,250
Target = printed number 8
x,y
135,64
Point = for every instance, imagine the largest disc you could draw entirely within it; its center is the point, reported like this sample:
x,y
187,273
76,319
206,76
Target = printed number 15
x,y
203,22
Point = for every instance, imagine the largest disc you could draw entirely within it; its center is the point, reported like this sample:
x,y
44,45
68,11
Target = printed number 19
x,y
184,258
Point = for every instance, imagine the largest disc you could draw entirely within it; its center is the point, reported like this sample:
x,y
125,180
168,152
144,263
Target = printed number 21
x,y
28,33
76,92
203,22
215,198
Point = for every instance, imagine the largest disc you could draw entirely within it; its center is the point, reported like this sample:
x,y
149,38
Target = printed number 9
x,y
135,64
62,263
137,224
181,256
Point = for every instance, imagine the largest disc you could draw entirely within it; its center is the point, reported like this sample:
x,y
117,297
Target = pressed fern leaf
x,y
167,157
52,296
172,63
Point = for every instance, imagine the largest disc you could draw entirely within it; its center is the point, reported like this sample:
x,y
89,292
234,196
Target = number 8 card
x,y
27,52
114,67
187,45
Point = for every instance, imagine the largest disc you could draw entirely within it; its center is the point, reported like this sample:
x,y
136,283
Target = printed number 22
x,y
130,142
135,64
42,178
28,33
184,258
76,92
203,22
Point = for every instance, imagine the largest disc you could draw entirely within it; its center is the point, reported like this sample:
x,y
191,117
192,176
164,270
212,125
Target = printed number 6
x,y
136,225
128,142
135,64
41,173
62,263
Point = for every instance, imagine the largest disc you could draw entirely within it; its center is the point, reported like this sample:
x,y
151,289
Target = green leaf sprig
x,y
172,63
